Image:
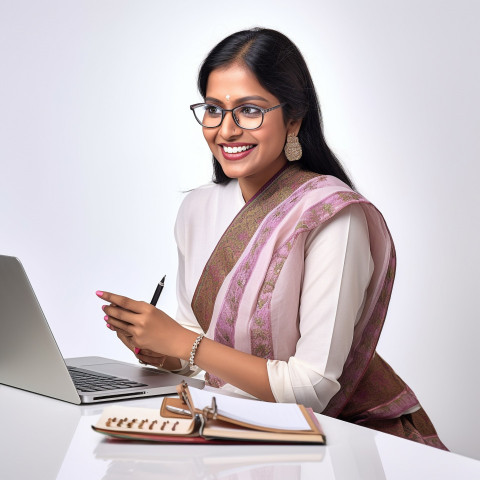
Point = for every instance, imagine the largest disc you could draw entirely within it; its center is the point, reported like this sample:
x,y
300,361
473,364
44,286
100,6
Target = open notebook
x,y
198,416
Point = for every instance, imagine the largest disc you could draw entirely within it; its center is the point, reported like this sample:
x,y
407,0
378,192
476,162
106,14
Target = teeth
x,y
237,149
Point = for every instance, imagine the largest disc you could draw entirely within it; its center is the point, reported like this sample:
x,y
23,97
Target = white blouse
x,y
338,268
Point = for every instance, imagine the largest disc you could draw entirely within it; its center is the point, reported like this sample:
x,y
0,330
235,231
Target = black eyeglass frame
x,y
224,110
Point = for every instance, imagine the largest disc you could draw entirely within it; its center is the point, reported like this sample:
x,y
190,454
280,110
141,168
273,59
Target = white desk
x,y
42,438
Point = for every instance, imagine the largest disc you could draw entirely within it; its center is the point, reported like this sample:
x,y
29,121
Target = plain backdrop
x,y
97,146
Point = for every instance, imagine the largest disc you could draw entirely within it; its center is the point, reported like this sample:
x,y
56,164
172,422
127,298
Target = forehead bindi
x,y
228,85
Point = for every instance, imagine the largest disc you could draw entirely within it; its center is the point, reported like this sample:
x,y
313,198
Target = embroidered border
x,y
260,324
237,236
261,334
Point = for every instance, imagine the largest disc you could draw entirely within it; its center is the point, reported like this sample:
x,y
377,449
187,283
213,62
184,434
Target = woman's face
x,y
264,157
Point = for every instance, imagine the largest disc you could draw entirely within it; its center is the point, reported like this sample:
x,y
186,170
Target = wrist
x,y
186,344
193,351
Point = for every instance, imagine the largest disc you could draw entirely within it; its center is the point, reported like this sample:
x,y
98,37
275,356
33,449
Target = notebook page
x,y
285,416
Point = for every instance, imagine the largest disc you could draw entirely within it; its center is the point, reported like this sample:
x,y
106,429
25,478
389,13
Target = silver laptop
x,y
31,360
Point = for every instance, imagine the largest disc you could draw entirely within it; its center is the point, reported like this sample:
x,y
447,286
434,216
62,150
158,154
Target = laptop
x,y
31,360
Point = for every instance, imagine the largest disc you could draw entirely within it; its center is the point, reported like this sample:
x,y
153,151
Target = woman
x,y
285,272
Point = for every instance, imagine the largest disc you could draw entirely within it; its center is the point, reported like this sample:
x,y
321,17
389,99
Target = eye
x,y
213,111
249,111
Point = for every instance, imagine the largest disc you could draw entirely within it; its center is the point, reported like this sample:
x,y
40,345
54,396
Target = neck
x,y
250,186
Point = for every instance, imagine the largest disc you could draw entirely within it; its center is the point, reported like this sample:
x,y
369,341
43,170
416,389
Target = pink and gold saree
x,y
232,301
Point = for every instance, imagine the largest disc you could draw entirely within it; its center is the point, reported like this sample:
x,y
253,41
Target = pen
x,y
180,411
158,291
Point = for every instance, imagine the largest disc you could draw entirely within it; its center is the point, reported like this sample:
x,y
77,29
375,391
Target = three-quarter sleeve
x,y
202,218
184,315
338,268
196,236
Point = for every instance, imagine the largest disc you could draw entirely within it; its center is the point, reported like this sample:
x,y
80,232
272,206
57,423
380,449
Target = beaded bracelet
x,y
194,350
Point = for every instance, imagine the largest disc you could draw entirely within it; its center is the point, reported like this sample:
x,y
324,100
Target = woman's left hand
x,y
148,327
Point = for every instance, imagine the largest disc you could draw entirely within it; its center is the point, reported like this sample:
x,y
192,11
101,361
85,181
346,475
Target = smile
x,y
242,148
236,151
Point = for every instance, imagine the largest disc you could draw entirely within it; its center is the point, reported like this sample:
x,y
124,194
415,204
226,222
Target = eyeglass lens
x,y
247,116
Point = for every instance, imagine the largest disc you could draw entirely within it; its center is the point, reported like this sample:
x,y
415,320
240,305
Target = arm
x,y
151,329
337,272
338,268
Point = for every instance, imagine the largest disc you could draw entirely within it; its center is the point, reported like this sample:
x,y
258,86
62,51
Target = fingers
x,y
139,320
147,356
122,311
126,327
125,338
155,360
150,353
120,314
122,334
123,302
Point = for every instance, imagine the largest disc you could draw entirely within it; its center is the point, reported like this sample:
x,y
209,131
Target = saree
x,y
263,244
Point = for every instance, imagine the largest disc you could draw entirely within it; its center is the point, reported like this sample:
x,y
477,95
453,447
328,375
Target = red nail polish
x,y
137,351
105,317
99,293
108,325
103,307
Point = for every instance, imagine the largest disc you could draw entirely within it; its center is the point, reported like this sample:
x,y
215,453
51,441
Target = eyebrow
x,y
239,100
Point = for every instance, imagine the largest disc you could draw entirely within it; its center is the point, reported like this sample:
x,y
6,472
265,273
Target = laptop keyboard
x,y
88,381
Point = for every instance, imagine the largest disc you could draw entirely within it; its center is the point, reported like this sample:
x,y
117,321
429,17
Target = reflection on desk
x,y
45,438
166,462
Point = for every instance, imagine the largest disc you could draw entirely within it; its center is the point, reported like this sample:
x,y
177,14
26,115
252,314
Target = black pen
x,y
158,291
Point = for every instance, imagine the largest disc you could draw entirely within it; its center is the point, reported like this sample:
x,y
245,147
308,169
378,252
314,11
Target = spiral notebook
x,y
197,416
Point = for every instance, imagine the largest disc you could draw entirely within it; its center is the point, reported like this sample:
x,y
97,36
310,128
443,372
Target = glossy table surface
x,y
43,438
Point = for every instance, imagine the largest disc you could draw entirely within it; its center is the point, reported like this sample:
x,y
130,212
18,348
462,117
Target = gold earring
x,y
293,148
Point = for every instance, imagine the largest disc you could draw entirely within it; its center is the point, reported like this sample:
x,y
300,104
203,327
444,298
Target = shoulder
x,y
206,206
200,194
206,197
348,226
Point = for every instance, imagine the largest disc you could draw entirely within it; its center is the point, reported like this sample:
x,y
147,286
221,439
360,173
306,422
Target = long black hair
x,y
281,69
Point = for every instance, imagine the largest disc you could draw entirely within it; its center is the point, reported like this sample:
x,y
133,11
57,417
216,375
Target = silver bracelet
x,y
194,350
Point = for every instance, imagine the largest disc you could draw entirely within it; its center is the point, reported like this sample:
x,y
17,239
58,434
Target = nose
x,y
229,128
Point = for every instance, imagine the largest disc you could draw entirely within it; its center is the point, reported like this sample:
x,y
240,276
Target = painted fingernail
x,y
137,351
103,307
105,317
108,325
99,293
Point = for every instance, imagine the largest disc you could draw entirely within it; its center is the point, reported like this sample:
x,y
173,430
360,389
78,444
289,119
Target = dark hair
x,y
281,69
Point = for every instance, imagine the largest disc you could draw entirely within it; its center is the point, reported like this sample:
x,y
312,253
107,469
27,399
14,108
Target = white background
x,y
97,144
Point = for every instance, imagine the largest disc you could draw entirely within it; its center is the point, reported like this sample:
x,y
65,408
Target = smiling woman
x,y
285,271
248,146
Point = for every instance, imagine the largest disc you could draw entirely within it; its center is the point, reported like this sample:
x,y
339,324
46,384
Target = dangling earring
x,y
293,149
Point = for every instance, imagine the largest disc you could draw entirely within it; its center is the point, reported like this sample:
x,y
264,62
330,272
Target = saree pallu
x,y
265,242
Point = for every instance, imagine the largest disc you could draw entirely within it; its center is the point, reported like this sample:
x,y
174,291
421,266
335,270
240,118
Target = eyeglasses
x,y
248,117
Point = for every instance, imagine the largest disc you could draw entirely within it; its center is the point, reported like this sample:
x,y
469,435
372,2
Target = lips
x,y
236,151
